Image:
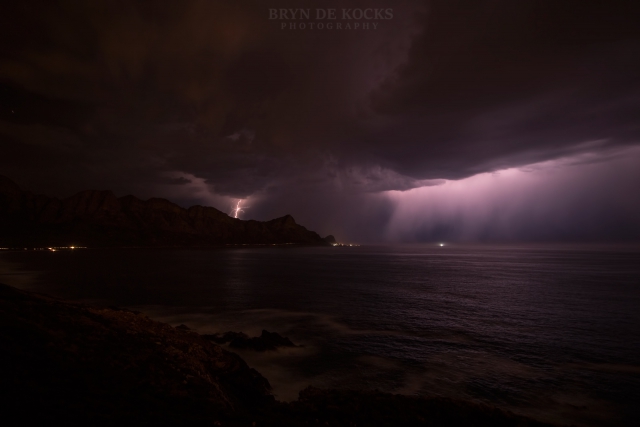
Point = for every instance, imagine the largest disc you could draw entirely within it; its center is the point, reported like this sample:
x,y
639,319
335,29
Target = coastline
x,y
81,364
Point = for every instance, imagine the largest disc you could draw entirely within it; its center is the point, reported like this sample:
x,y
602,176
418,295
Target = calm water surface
x,y
551,332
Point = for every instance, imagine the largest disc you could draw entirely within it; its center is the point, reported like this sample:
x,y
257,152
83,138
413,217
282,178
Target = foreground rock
x,y
266,341
360,408
68,364
99,218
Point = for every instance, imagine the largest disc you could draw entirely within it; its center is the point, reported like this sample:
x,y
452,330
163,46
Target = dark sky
x,y
454,120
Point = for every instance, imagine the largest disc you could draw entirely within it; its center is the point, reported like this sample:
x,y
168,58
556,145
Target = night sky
x,y
514,120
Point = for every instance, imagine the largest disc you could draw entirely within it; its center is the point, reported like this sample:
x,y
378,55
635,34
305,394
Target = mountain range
x,y
100,219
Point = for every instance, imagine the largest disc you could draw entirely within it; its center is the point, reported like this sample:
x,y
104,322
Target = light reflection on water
x,y
544,331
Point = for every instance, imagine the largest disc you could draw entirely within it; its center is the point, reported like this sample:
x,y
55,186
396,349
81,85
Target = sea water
x,y
547,331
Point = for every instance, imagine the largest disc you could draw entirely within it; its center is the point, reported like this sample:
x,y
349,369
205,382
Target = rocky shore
x,y
266,341
65,363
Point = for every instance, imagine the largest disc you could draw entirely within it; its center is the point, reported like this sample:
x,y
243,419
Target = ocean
x,y
548,331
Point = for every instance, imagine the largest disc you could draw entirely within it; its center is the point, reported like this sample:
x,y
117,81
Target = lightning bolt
x,y
238,209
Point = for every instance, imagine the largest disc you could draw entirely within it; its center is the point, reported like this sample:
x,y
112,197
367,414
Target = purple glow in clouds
x,y
571,198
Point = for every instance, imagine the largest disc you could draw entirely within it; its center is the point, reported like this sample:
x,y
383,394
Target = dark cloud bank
x,y
461,120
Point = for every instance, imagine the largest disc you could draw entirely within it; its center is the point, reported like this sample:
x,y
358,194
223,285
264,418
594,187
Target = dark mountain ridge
x,y
99,218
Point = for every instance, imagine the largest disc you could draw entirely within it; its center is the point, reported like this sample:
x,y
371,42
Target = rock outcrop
x,y
99,218
372,408
67,364
330,239
265,342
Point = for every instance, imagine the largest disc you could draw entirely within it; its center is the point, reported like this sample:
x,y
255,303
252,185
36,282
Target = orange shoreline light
x,y
52,249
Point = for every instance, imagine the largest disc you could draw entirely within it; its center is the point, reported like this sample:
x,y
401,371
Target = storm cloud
x,y
350,131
